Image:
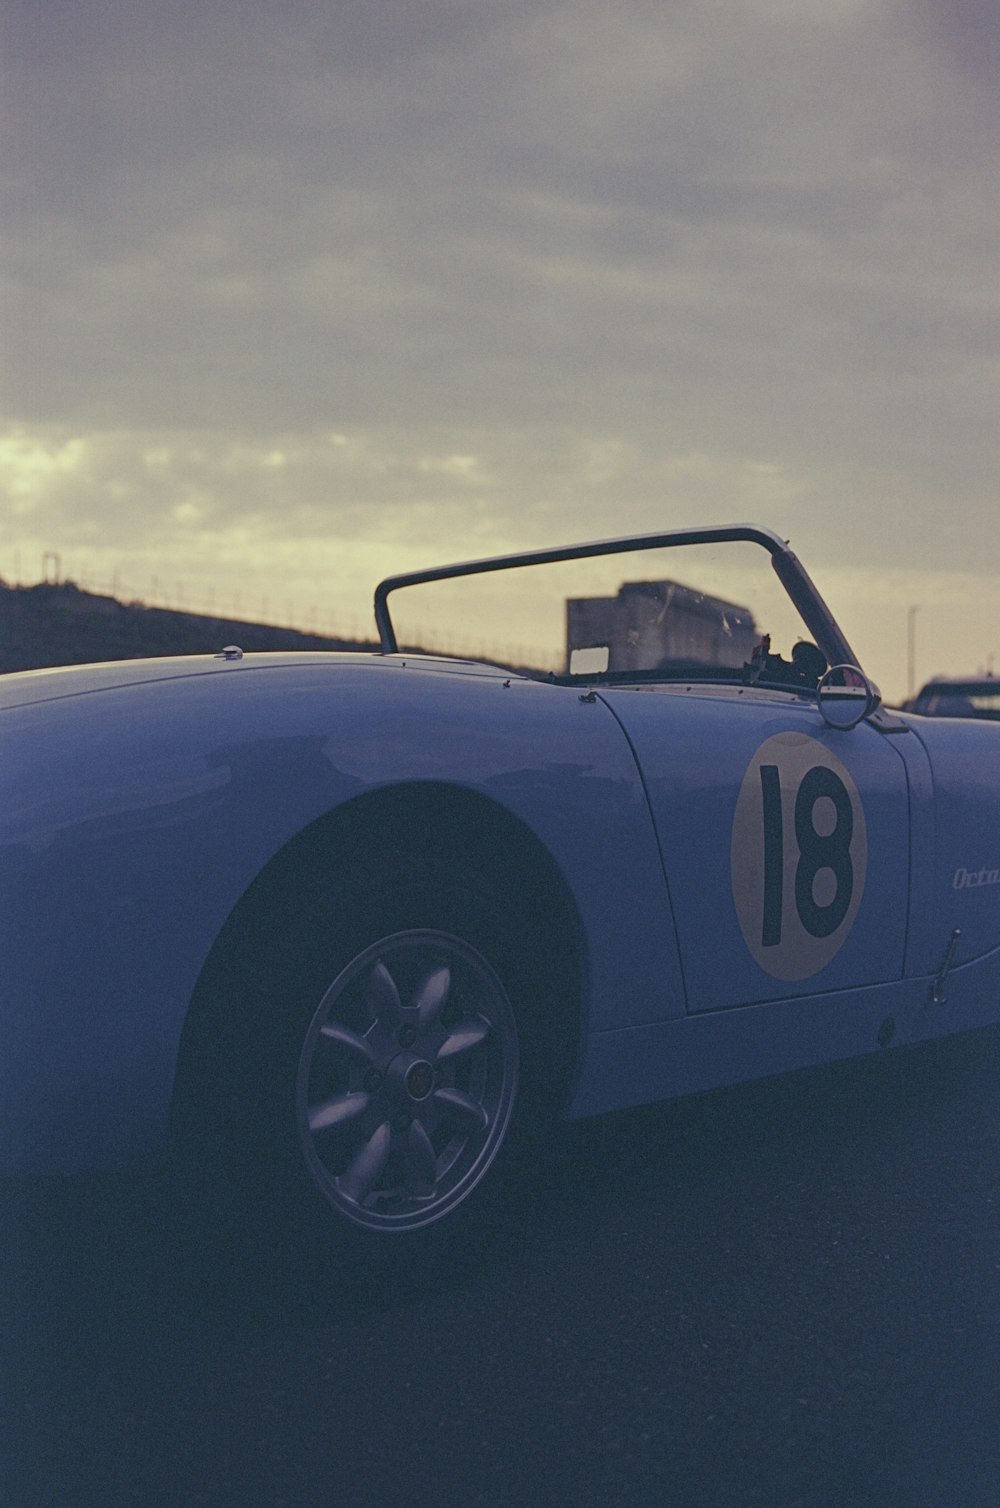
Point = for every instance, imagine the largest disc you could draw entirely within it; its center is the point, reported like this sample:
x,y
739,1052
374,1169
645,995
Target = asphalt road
x,y
780,1296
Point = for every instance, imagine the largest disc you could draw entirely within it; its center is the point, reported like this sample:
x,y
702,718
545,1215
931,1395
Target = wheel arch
x,y
402,835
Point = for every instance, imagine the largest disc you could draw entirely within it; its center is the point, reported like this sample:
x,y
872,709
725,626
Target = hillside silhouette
x,y
60,624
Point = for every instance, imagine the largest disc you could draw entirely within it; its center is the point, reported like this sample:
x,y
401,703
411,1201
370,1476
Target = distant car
x,y
355,930
959,696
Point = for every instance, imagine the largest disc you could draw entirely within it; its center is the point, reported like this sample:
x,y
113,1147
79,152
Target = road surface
x,y
780,1296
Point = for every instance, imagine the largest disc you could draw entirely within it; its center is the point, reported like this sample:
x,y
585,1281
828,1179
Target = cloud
x,y
735,257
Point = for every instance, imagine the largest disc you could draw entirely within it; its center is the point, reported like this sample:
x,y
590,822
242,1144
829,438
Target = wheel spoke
x,y
360,1178
462,1105
464,1038
432,994
420,1158
383,996
336,1112
349,1042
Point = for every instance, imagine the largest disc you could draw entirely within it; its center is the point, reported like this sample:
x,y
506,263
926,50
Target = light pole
x,y
911,650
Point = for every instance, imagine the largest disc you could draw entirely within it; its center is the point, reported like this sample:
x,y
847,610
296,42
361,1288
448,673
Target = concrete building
x,y
659,625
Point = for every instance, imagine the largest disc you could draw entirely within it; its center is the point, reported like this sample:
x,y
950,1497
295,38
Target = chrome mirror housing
x,y
846,696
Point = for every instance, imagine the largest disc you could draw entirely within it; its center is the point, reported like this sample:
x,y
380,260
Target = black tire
x,y
366,1072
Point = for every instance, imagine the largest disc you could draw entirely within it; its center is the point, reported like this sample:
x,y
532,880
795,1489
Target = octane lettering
x,y
966,879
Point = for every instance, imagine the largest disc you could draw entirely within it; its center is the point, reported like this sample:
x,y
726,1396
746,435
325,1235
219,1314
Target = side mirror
x,y
845,697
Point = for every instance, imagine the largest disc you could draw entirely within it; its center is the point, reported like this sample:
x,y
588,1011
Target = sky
x,y
297,295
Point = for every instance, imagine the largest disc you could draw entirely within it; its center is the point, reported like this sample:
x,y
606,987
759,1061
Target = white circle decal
x,y
799,855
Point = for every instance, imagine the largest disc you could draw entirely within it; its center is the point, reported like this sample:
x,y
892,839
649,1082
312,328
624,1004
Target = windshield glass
x,y
693,611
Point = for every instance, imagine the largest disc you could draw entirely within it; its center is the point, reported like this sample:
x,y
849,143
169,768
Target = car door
x,y
785,843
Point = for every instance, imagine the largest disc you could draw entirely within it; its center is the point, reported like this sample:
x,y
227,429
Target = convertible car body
x,y
366,913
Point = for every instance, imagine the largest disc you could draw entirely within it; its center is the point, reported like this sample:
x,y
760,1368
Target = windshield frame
x,y
817,617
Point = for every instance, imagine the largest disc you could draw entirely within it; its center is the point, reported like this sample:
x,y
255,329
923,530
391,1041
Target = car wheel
x,y
406,1081
363,1075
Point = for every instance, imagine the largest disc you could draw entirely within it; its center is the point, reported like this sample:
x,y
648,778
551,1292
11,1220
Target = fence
x,y
235,606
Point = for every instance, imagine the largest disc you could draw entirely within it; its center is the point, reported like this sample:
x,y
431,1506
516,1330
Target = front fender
x,y
134,817
963,879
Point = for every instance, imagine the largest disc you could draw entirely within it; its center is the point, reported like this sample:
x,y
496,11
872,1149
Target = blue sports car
x,y
354,929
